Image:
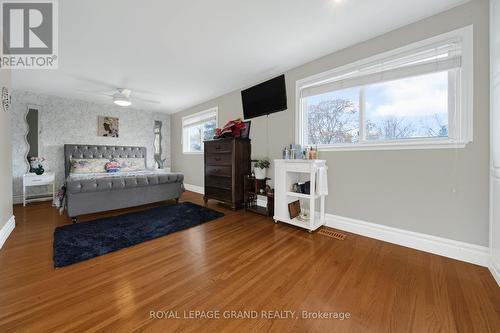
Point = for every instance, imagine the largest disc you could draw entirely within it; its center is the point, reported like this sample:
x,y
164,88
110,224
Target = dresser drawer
x,y
219,182
219,147
38,180
219,159
220,170
220,194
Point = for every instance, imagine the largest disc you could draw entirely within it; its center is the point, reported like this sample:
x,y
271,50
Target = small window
x,y
197,128
419,96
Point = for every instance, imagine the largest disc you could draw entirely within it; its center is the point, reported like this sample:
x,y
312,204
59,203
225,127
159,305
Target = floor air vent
x,y
331,233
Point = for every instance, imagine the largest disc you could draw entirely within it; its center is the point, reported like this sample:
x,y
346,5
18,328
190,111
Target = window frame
x,y
214,110
460,121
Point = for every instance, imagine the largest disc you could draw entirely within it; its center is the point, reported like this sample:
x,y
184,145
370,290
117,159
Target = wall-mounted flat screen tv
x,y
265,98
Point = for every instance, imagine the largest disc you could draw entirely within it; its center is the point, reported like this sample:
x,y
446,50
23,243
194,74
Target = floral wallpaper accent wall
x,y
69,121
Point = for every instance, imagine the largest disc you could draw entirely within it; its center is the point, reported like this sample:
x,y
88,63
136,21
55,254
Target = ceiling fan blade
x,y
93,81
146,100
96,92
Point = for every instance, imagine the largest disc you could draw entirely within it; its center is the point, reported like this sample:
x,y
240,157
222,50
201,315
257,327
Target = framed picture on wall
x,y
245,133
108,126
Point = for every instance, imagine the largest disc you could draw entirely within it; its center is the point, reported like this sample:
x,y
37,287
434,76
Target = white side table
x,y
286,173
32,179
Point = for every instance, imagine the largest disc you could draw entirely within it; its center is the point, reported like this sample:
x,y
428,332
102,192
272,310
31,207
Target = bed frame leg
x,y
74,220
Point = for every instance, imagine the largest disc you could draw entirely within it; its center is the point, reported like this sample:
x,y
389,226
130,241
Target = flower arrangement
x,y
161,163
37,165
233,128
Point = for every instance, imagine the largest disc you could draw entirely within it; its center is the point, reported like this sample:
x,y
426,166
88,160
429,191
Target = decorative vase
x,y
39,171
259,173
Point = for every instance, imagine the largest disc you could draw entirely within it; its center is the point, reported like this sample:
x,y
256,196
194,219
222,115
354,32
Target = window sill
x,y
441,144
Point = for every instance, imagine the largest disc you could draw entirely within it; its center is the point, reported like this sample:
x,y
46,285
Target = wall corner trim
x,y
6,230
194,188
495,270
471,253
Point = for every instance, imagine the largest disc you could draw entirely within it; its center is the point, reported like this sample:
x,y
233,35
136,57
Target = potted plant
x,y
260,167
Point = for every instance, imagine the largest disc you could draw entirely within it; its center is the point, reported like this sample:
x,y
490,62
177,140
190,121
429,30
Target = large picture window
x,y
197,128
419,96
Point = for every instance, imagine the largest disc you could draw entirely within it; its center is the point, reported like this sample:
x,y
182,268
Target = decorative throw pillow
x,y
131,164
88,165
112,166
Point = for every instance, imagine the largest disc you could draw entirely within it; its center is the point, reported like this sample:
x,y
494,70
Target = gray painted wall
x,y
495,135
441,192
5,155
63,120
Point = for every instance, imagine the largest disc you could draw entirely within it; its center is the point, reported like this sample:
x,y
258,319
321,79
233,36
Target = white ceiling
x,y
188,51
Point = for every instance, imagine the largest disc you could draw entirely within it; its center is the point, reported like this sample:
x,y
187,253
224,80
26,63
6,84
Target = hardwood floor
x,y
241,262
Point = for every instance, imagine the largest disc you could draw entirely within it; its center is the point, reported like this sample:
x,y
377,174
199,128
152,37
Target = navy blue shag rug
x,y
82,241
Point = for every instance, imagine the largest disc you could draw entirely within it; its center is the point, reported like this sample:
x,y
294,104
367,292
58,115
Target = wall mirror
x,y
32,122
157,144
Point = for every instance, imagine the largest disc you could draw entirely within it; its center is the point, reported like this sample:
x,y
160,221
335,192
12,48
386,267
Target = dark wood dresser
x,y
227,161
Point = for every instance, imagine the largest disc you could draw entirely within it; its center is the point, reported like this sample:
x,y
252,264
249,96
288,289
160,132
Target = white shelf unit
x,y
288,172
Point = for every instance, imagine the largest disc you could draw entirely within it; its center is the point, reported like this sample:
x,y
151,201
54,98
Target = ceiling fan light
x,y
121,101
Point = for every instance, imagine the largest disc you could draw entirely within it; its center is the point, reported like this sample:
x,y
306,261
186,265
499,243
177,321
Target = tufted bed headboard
x,y
94,151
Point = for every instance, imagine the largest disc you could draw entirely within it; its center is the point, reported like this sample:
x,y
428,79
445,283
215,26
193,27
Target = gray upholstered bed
x,y
93,194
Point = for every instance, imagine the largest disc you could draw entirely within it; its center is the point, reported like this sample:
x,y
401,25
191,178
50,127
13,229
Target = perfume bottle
x,y
298,152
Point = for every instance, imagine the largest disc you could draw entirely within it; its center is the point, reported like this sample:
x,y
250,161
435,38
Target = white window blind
x,y
433,58
200,118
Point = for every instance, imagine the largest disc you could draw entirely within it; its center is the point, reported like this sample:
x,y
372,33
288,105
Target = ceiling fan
x,y
122,97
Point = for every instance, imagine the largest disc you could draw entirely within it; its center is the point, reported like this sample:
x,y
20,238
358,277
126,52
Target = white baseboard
x,y
495,270
194,188
475,254
17,199
6,230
